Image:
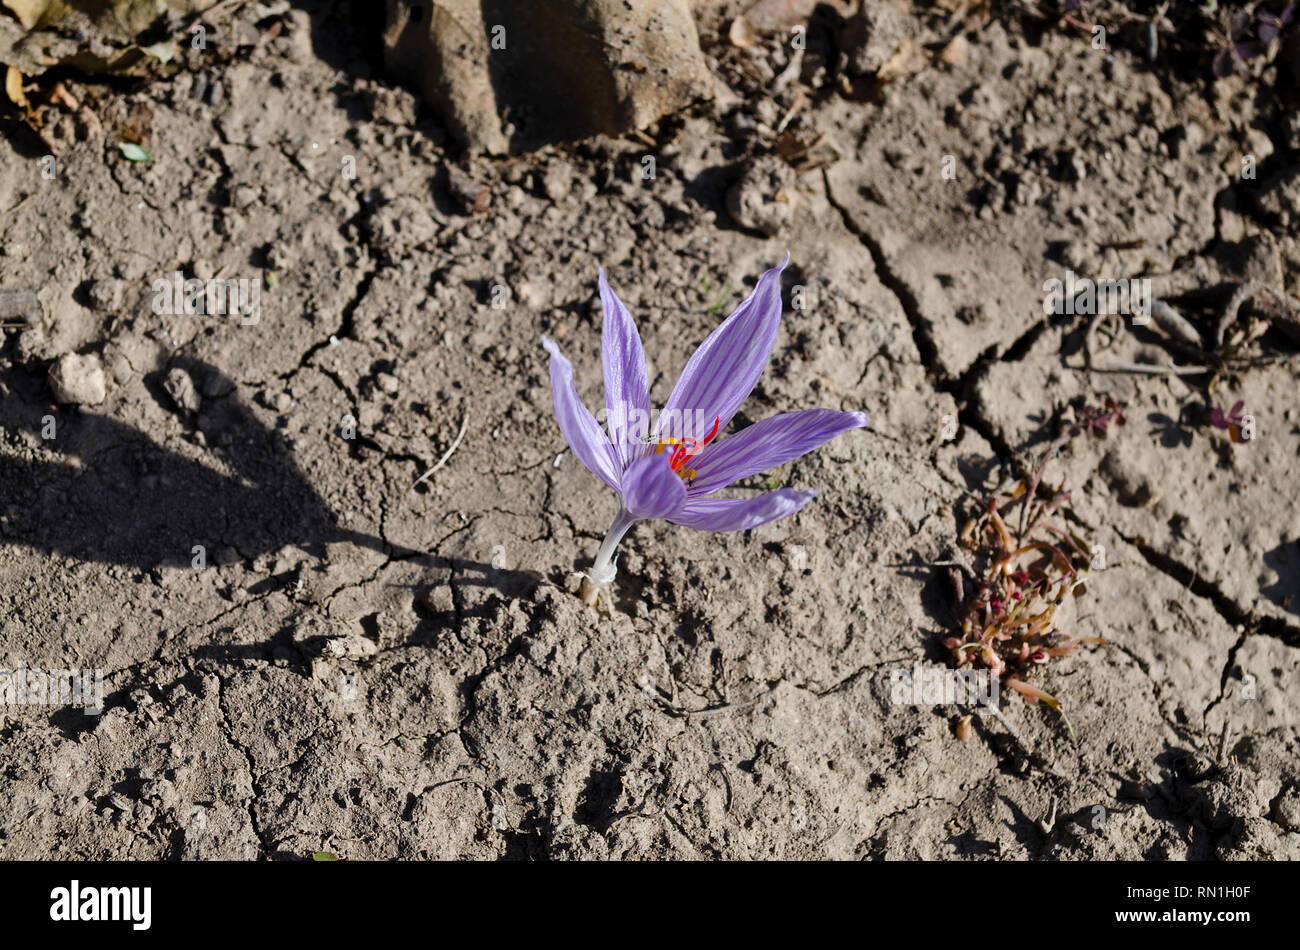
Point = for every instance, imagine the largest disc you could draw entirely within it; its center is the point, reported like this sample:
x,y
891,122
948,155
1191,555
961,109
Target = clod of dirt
x,y
180,386
399,226
557,181
762,199
473,197
1286,809
1130,484
1279,197
78,380
872,36
106,295
561,70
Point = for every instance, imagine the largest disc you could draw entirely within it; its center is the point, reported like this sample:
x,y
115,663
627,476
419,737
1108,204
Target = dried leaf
x,y
962,728
14,87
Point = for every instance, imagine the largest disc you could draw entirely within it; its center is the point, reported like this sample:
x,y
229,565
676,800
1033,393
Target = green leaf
x,y
324,856
134,153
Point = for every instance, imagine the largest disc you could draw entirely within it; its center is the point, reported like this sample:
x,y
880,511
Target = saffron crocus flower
x,y
674,469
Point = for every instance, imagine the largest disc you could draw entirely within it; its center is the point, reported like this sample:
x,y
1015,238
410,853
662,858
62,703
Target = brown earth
x,y
381,670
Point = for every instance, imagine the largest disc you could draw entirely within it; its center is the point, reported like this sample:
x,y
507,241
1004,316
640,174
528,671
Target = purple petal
x,y
741,514
722,373
1249,50
768,444
627,384
579,426
651,489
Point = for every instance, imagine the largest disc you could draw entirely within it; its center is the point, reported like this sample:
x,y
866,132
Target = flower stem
x,y
602,569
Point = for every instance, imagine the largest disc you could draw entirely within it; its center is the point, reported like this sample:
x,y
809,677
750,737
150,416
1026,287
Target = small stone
x,y
120,367
1258,144
557,181
180,386
955,53
351,647
245,195
78,380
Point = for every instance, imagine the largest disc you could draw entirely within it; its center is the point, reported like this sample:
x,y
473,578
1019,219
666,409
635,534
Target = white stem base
x,y
603,571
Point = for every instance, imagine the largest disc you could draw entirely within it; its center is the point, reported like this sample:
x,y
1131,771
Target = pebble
x,y
78,380
557,181
180,386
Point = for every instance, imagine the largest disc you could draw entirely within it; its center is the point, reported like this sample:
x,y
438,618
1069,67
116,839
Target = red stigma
x,y
685,450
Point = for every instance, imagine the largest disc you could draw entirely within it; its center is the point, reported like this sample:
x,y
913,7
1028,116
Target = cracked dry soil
x,y
380,671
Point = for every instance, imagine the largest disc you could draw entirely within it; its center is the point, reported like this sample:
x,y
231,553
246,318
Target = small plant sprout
x,y
1031,565
1233,421
674,469
1248,36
